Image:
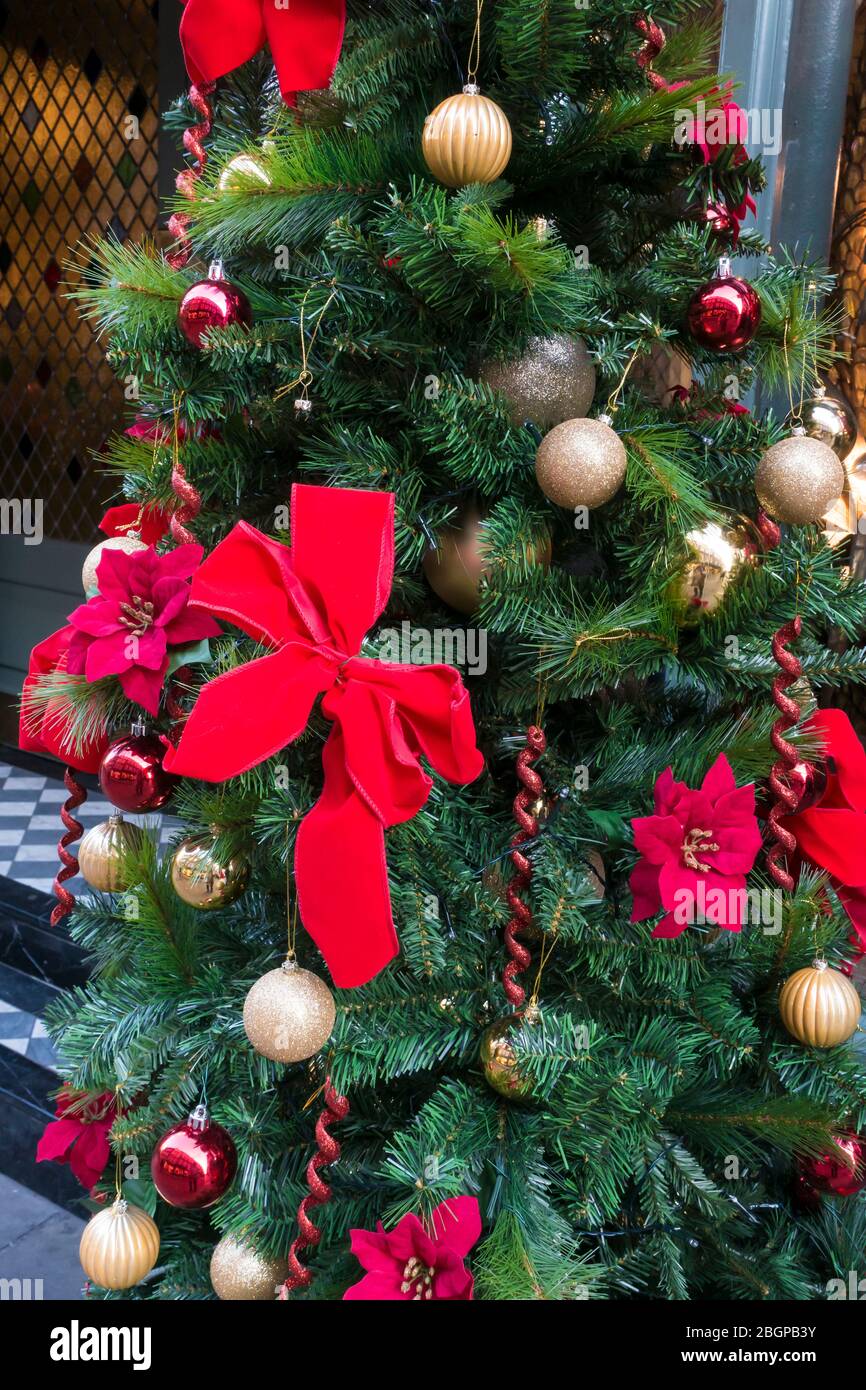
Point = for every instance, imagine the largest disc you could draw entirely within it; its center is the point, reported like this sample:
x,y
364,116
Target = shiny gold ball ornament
x,y
830,420
551,381
289,1014
499,1059
798,479
237,1272
466,139
119,1246
581,463
129,544
241,171
200,879
819,1006
103,851
715,556
457,567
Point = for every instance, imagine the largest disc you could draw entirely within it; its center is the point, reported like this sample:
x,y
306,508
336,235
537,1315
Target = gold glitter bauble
x,y
552,381
829,420
237,1271
289,1014
797,480
714,557
581,463
500,1061
128,544
102,853
593,874
466,139
819,1006
119,1246
456,568
240,172
200,879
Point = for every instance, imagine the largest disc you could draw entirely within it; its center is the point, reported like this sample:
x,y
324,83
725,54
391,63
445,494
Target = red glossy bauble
x,y
724,314
131,773
194,1163
840,1173
721,222
212,303
809,781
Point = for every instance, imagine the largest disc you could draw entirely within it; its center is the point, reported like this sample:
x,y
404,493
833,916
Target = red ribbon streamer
x,y
193,137
74,831
786,797
654,41
521,915
327,1153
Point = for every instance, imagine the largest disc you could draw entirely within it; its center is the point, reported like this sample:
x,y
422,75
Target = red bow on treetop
x,y
304,36
312,605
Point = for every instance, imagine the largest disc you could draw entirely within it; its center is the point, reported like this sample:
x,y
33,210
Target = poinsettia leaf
x,y
190,654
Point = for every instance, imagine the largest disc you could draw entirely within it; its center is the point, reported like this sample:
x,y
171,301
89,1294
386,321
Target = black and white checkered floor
x,y
30,827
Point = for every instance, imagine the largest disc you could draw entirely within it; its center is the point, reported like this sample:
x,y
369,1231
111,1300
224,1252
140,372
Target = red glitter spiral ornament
x,y
521,915
74,831
327,1152
770,531
787,796
654,41
190,505
178,223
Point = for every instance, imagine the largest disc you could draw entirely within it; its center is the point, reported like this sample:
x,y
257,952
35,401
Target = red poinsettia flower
x,y
831,826
414,1265
151,522
139,613
695,852
81,1140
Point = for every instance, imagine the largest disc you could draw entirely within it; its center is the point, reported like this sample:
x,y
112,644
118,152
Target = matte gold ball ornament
x,y
819,1006
466,139
715,557
238,1272
499,1058
128,544
103,852
289,1014
459,564
203,881
119,1246
830,420
581,463
551,381
798,479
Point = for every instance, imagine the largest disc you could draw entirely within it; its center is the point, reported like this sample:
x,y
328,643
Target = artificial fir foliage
x,y
656,1151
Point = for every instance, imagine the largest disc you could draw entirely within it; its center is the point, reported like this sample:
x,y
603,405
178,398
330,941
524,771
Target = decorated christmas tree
x,y
472,610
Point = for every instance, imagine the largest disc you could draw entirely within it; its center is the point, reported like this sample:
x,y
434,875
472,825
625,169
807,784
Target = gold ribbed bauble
x,y
499,1058
289,1014
830,420
240,172
819,1006
102,853
199,878
237,1271
128,544
714,557
552,381
581,463
456,568
466,139
798,478
119,1246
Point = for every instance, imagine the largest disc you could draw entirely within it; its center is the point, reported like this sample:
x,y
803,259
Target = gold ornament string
x,y
305,376
291,909
475,47
613,398
796,414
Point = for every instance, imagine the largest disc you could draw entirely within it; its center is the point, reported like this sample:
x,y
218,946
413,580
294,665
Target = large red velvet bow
x,y
305,37
46,731
312,604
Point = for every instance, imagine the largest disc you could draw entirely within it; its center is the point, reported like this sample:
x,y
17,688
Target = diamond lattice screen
x,y
73,76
